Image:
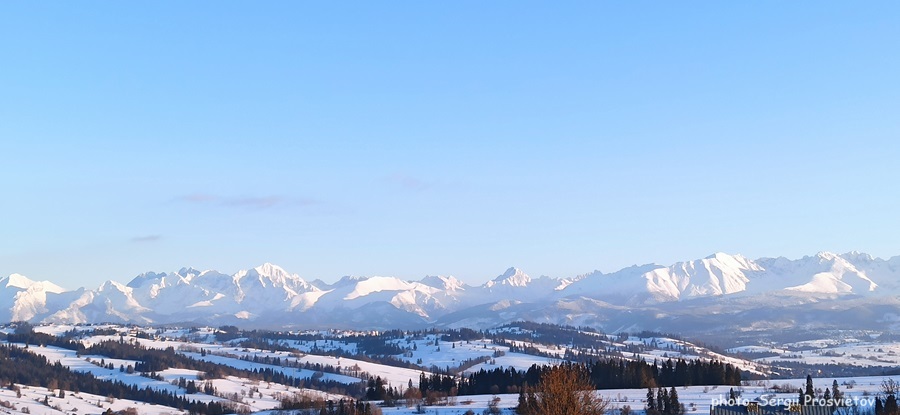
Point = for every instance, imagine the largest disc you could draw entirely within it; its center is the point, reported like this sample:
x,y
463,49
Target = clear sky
x,y
414,138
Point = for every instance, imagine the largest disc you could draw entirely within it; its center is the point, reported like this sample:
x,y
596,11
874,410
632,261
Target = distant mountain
x,y
22,299
719,292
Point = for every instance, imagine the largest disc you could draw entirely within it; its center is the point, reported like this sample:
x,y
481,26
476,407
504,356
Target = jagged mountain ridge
x,y
270,296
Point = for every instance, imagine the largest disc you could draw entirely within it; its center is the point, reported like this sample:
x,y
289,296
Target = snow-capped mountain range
x,y
637,297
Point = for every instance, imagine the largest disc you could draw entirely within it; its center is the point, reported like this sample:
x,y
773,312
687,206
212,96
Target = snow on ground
x,y
32,401
69,359
230,355
430,351
427,351
391,374
174,374
256,395
665,348
756,349
696,399
289,371
259,395
326,345
857,353
519,361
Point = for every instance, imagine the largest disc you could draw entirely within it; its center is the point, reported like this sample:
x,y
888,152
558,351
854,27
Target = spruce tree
x,y
673,402
810,391
666,406
651,407
836,394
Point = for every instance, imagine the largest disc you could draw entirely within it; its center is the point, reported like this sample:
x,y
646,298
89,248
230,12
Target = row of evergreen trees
x,y
306,406
605,374
19,366
831,397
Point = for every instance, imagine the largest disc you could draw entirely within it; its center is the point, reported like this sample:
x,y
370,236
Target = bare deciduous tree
x,y
563,390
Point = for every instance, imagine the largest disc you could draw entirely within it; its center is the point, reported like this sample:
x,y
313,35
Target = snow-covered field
x,y
32,401
696,399
829,351
423,350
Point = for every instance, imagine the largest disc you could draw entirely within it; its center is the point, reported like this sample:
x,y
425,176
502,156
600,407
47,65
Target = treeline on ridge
x,y
604,374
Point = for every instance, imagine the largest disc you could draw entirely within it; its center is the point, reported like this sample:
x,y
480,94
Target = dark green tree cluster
x,y
830,397
17,365
463,334
886,402
376,390
663,402
609,374
307,406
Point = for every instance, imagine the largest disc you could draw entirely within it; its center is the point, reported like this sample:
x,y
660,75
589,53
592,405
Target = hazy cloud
x,y
409,182
254,202
198,198
245,202
146,238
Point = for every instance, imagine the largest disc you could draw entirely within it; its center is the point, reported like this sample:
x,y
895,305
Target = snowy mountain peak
x,y
349,279
858,257
378,284
829,273
270,269
22,282
146,277
513,277
449,283
270,295
113,285
722,256
270,274
827,256
17,281
188,273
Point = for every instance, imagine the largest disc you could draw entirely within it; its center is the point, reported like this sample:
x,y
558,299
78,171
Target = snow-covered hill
x,y
638,297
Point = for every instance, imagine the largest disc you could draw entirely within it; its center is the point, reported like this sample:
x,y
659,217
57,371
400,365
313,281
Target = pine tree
x,y
810,391
651,407
836,394
665,405
660,400
673,403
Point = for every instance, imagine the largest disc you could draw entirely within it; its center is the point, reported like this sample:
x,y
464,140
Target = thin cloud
x,y
409,182
146,238
198,198
245,202
254,202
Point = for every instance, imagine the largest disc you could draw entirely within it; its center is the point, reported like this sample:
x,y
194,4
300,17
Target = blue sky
x,y
421,138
